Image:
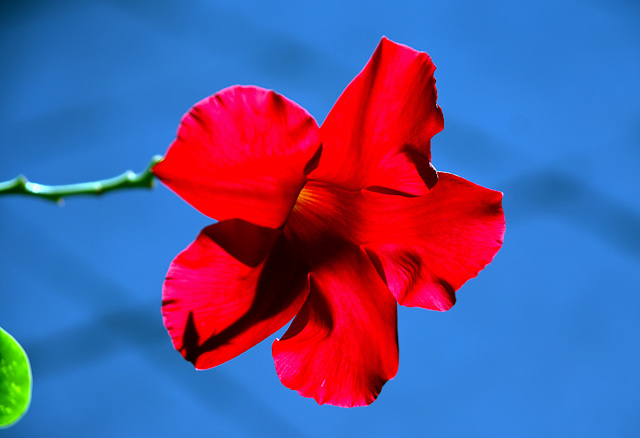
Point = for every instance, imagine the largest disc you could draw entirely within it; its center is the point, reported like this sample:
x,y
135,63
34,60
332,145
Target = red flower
x,y
330,225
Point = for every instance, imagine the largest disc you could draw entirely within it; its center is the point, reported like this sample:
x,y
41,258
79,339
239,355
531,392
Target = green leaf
x,y
15,380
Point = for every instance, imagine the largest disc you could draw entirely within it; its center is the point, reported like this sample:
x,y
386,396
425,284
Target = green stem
x,y
129,179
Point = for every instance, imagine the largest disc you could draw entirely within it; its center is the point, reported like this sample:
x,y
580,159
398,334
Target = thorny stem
x,y
129,179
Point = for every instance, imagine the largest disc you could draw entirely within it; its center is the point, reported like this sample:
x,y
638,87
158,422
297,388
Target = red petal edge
x,y
343,345
379,131
232,287
426,248
242,153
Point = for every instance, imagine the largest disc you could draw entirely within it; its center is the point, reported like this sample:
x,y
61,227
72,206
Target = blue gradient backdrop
x,y
541,101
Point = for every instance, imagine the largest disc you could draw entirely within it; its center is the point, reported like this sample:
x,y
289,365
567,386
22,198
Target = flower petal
x,y
426,248
384,119
242,153
343,346
232,287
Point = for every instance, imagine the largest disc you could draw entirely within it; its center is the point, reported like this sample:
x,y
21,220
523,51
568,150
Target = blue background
x,y
541,101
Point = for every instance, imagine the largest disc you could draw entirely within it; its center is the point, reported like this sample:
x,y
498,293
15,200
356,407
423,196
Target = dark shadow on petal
x,y
248,243
409,273
281,282
421,163
313,162
316,307
317,248
190,340
388,191
424,167
375,260
276,103
449,289
196,114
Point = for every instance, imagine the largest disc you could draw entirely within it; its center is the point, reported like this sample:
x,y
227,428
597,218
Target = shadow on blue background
x,y
541,101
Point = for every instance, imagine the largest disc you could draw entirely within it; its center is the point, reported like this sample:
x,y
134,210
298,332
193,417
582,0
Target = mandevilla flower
x,y
331,225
